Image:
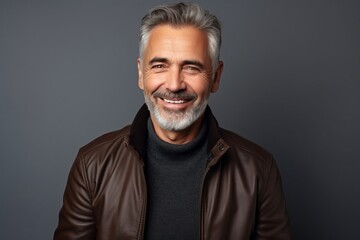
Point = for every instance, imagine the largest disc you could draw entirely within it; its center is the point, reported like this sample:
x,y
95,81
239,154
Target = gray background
x,y
291,83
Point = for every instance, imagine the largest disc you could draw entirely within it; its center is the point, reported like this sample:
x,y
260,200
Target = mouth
x,y
175,101
179,101
176,104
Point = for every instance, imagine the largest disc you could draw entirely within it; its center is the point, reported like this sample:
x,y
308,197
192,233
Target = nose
x,y
175,80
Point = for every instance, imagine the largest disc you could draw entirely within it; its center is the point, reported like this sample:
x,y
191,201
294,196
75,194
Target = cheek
x,y
201,87
151,82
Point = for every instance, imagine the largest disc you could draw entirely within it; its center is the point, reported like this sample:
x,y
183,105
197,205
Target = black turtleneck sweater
x,y
173,174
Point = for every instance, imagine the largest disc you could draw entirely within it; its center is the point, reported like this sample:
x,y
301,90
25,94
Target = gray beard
x,y
176,120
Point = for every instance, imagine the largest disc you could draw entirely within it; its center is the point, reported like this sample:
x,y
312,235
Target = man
x,y
174,173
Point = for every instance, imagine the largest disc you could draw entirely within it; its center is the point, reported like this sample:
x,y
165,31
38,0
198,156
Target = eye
x,y
191,69
158,67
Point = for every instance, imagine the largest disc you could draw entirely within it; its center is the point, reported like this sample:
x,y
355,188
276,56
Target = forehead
x,y
180,41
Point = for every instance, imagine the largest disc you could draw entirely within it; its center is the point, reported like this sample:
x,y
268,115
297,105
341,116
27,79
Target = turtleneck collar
x,y
175,152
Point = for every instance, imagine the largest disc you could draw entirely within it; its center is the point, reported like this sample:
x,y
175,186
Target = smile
x,y
174,101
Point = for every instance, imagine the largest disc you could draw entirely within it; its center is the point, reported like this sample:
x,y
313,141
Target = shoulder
x,y
106,144
237,141
246,150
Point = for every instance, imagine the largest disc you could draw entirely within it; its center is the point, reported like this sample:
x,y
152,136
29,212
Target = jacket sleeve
x,y
272,217
76,219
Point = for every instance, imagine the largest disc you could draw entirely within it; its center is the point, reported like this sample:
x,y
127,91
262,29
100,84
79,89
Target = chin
x,y
176,120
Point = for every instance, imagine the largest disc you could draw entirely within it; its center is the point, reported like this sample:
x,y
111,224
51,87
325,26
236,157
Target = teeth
x,y
174,102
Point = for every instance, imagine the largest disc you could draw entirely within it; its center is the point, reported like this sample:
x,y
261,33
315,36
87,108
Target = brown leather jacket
x,y
105,196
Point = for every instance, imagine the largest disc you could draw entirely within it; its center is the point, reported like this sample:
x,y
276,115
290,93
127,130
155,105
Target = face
x,y
176,77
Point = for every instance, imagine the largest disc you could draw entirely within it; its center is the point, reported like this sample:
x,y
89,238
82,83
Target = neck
x,y
178,137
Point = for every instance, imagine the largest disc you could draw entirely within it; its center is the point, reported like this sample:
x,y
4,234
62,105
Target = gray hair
x,y
180,14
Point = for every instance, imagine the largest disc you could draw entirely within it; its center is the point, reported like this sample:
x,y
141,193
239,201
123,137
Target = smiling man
x,y
174,173
175,72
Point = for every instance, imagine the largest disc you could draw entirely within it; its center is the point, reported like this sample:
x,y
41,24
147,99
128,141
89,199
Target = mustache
x,y
175,95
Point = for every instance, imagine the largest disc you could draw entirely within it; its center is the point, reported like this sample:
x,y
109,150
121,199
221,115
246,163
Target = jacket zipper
x,y
212,162
143,215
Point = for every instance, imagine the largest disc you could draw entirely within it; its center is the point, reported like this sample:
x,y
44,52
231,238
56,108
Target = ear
x,y
140,74
217,76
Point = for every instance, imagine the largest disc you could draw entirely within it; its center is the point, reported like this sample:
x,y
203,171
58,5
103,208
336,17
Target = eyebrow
x,y
186,62
158,59
194,62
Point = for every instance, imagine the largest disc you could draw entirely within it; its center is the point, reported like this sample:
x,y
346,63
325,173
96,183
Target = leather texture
x,y
105,197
